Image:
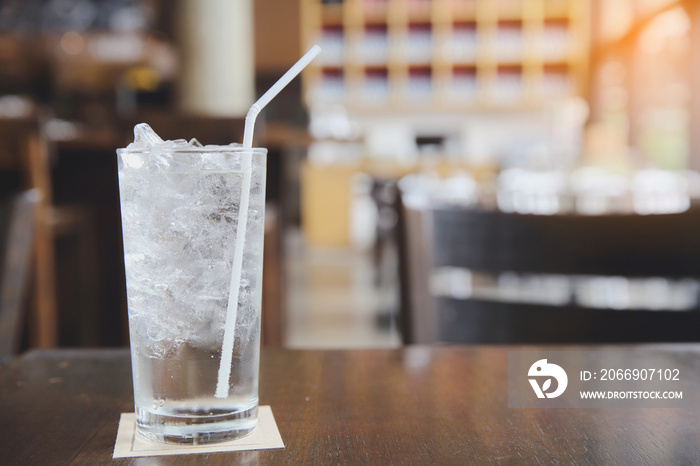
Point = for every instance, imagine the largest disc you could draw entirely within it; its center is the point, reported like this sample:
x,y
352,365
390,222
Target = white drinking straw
x,y
222,383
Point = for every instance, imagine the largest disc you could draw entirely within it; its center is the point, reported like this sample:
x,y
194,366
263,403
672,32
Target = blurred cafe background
x,y
446,171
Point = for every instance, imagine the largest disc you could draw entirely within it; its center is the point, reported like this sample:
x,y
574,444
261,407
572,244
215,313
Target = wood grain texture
x,y
418,405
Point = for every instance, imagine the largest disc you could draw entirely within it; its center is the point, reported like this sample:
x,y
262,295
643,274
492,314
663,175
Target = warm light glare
x,y
72,43
615,98
617,19
613,72
673,23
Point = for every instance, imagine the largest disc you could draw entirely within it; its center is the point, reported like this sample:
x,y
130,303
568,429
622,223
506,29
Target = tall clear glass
x,y
180,208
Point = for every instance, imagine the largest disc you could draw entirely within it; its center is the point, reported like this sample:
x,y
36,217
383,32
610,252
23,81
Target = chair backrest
x,y
627,245
491,242
615,245
16,236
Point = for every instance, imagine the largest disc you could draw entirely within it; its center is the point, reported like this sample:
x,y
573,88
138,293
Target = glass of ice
x,y
180,208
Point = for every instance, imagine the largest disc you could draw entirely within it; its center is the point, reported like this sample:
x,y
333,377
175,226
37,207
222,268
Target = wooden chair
x,y
24,155
16,236
56,226
492,242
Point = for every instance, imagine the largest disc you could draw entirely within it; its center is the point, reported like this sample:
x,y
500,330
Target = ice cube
x,y
144,135
195,143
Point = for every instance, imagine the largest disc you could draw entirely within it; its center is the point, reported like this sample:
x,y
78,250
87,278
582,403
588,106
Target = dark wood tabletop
x,y
416,405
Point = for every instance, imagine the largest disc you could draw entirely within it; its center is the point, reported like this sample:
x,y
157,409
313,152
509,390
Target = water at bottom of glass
x,y
196,426
175,400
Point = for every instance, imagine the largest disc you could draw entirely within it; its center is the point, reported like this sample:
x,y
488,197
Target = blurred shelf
x,y
439,37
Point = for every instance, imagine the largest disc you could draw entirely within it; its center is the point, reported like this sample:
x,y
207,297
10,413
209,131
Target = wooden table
x,y
417,405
